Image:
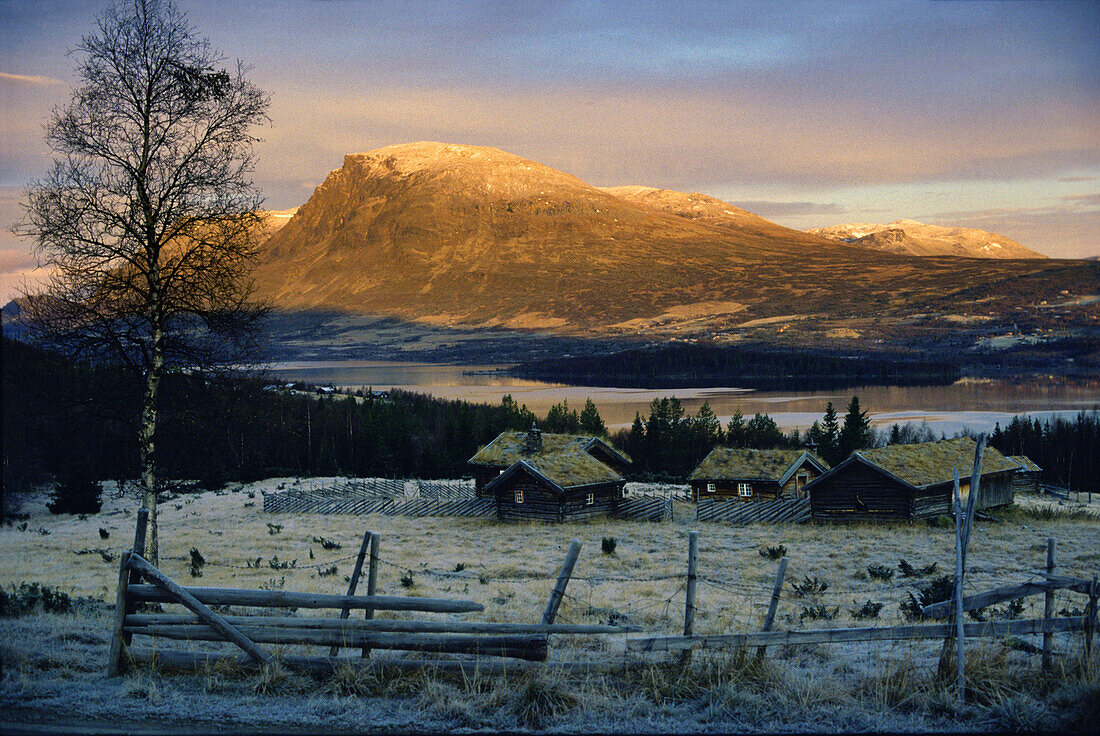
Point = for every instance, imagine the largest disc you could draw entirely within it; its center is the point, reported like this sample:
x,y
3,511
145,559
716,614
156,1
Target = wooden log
x,y
1078,585
1048,606
689,594
554,603
289,599
1090,618
120,637
354,582
773,604
834,636
997,595
180,660
180,595
532,647
138,620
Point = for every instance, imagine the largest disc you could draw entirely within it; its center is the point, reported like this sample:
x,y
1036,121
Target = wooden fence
x,y
644,508
248,632
446,490
783,510
351,499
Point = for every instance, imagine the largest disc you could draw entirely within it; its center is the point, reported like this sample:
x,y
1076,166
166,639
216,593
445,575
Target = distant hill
x,y
917,239
465,235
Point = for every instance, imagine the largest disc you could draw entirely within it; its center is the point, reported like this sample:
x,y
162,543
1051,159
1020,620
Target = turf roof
x,y
729,463
509,447
1026,464
930,463
568,469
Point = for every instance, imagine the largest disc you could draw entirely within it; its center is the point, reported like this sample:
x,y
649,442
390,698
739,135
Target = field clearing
x,y
510,569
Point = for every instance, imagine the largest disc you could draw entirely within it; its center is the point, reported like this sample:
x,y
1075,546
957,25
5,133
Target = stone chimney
x,y
534,441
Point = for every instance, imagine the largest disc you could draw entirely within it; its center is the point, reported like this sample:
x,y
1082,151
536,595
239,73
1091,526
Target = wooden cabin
x,y
563,486
510,447
732,474
1027,477
909,482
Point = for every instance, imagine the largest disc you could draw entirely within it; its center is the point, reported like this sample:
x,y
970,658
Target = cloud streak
x,y
29,81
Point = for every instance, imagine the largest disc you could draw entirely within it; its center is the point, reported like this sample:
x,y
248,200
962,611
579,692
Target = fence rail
x,y
644,508
319,503
783,510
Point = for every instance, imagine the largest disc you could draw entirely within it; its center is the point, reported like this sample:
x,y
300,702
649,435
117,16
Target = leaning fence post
x,y
119,638
1048,607
563,580
774,603
355,573
689,596
1090,619
372,581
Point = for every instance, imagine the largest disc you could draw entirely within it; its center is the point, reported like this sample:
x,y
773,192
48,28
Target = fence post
x,y
571,556
1048,607
355,573
372,581
689,596
774,603
1090,619
960,552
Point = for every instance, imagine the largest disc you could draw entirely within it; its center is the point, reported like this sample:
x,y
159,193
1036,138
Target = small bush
x,y
943,521
197,561
326,571
818,612
407,580
326,543
274,528
276,564
104,534
809,587
880,572
870,609
774,553
937,590
608,545
30,596
908,571
460,567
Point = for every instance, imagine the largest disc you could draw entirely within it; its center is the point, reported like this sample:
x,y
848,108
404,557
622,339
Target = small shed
x,y
909,481
562,486
735,474
510,447
1026,479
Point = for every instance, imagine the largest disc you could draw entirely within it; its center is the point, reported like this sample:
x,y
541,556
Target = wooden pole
x,y
1048,606
774,603
571,556
1090,620
689,595
227,630
119,636
372,582
355,573
959,630
139,532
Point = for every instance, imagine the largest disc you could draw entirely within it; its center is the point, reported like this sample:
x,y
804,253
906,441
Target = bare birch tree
x,y
148,218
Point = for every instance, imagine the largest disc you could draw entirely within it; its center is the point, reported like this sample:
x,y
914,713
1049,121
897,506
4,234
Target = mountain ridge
x,y
910,237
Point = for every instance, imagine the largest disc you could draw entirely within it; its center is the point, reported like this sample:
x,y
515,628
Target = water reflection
x,y
978,404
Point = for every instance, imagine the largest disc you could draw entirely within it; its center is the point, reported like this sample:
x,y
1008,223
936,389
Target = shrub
x,y
460,567
326,571
908,571
943,521
326,543
197,561
817,612
76,493
274,528
407,580
30,596
809,587
870,609
880,572
774,553
937,590
608,545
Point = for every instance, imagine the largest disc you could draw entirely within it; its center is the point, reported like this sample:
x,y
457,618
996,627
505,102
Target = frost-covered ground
x,y
53,665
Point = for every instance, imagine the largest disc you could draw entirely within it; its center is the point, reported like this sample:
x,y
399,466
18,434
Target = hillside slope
x,y
910,237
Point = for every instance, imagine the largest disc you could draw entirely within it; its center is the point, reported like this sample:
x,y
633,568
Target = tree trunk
x,y
147,444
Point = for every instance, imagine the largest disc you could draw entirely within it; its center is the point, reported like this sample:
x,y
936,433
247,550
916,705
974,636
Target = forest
x,y
73,422
698,365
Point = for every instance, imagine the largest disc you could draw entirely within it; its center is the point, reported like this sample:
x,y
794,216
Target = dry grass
x,y
510,570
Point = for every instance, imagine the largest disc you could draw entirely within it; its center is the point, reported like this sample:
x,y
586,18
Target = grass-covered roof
x,y
930,463
1026,464
568,469
510,447
729,463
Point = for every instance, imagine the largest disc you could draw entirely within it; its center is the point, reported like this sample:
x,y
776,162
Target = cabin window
x,y
744,490
710,488
519,495
590,499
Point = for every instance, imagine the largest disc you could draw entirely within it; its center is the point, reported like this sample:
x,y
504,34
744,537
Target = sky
x,y
980,113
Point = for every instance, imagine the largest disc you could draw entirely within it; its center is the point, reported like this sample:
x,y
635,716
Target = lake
x,y
977,404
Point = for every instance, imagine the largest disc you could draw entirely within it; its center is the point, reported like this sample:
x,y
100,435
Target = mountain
x,y
463,235
917,239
